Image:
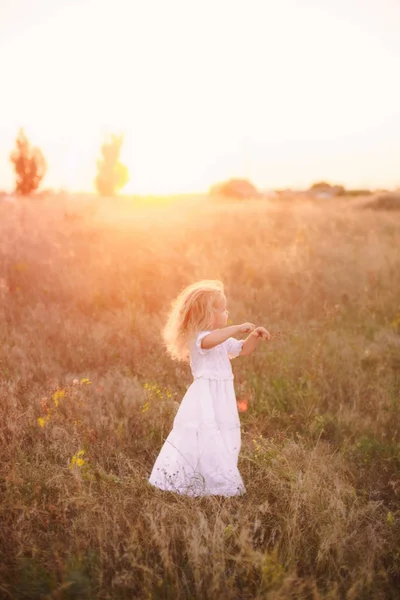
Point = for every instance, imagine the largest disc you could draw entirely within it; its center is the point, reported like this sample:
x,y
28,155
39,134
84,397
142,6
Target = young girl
x,y
200,455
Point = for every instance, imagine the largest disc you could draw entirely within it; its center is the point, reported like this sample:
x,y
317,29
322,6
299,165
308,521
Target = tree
x,y
112,174
321,186
29,165
235,188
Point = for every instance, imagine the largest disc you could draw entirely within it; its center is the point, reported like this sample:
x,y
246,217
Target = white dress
x,y
200,455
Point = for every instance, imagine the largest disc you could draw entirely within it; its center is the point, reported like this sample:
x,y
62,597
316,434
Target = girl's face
x,y
220,314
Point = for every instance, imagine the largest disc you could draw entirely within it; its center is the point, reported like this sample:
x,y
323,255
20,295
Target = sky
x,y
284,92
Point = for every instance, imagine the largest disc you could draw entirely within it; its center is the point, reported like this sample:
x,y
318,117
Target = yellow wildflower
x,y
396,321
77,460
390,518
42,420
57,395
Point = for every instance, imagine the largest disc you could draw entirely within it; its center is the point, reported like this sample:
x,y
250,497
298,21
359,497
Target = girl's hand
x,y
246,327
262,333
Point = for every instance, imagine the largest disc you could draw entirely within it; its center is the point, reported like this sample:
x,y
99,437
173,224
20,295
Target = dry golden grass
x,y
87,396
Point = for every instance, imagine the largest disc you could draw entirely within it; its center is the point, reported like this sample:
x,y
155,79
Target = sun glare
x,y
279,100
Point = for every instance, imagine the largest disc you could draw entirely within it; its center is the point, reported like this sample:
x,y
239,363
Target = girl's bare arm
x,y
220,335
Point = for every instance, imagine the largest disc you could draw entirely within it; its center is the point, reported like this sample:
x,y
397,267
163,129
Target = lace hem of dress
x,y
195,490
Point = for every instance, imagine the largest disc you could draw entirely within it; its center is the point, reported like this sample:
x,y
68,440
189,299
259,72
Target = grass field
x,y
88,394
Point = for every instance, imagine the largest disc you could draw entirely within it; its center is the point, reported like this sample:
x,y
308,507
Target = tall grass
x,y
87,396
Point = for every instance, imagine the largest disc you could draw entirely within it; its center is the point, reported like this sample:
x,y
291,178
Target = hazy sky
x,y
284,92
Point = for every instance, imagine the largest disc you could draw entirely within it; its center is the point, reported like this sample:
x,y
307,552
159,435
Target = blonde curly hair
x,y
190,312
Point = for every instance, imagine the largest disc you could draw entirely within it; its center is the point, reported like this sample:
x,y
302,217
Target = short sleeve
x,y
234,347
200,336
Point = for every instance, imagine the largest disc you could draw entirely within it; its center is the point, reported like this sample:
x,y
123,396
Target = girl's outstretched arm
x,y
251,342
220,335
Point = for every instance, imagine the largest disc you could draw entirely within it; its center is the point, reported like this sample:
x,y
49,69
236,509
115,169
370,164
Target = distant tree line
x,y
30,166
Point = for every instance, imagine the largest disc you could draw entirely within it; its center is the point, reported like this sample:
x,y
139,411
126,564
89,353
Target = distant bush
x,y
112,174
235,188
29,165
322,187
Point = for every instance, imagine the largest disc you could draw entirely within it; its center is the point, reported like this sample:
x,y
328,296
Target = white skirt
x,y
200,455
